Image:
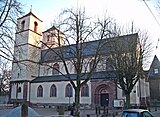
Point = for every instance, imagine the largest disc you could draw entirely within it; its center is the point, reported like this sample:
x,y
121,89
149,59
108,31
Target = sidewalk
x,y
83,112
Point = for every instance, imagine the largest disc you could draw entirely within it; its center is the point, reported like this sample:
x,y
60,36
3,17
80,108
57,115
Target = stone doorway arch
x,y
103,89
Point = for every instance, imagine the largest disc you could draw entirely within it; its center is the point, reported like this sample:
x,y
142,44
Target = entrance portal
x,y
104,99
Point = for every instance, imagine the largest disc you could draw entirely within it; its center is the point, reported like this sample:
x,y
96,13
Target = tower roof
x,y
30,13
155,62
53,28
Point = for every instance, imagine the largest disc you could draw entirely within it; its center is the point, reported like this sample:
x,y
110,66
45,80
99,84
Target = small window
x,y
35,26
40,91
53,91
55,70
156,71
48,37
91,65
19,89
69,91
22,25
108,64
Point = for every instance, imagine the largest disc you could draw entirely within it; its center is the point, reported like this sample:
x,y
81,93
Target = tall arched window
x,y
91,65
69,91
22,25
35,26
53,91
85,91
108,64
40,91
55,69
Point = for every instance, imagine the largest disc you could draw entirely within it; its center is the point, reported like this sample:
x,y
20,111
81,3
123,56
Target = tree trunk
x,y
77,102
127,101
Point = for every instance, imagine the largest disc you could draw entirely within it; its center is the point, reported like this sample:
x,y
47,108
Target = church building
x,y
35,82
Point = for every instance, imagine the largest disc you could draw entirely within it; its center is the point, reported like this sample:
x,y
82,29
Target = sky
x,y
123,11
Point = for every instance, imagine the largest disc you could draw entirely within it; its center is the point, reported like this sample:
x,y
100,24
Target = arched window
x,y
69,91
108,64
40,91
55,69
35,26
22,25
53,91
85,91
91,64
19,89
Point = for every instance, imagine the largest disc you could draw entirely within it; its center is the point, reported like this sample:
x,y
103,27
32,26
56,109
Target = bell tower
x,y
26,56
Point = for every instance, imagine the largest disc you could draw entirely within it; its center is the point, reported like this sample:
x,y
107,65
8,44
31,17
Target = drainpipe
x,y
16,93
29,92
140,91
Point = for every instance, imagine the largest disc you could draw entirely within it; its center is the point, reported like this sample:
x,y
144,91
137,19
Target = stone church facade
x,y
35,82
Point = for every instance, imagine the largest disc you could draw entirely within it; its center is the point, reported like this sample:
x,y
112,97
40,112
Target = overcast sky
x,y
123,11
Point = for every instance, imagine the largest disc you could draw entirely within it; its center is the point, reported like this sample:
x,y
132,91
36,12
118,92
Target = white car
x,y
136,113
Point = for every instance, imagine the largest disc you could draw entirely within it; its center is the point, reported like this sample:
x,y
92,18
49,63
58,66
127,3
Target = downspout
x,y
29,92
140,91
16,93
39,68
10,85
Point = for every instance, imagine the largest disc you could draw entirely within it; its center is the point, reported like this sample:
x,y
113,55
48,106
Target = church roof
x,y
55,78
89,48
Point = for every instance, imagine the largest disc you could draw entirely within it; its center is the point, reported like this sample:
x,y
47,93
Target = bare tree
x,y
5,76
9,12
128,57
84,56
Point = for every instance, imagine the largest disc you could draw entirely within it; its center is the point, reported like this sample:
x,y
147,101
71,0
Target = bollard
x,y
61,110
156,108
24,110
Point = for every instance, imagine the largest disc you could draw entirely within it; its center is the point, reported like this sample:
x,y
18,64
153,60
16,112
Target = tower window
x,y
48,37
19,89
35,26
22,25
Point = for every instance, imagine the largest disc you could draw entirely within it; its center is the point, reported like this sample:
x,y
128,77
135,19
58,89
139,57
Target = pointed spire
x,y
132,28
31,9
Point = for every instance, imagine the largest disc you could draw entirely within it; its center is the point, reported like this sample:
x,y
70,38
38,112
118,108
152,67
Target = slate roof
x,y
89,48
55,78
154,65
51,29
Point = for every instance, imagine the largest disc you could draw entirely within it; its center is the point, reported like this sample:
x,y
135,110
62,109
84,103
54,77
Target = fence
x,y
2,106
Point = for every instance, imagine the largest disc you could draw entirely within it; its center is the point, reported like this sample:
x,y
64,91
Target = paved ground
x,y
47,112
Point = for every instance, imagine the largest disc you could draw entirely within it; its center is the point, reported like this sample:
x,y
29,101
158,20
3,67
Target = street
x,y
84,112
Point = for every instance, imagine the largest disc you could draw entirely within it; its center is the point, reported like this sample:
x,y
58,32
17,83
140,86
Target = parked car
x,y
136,113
